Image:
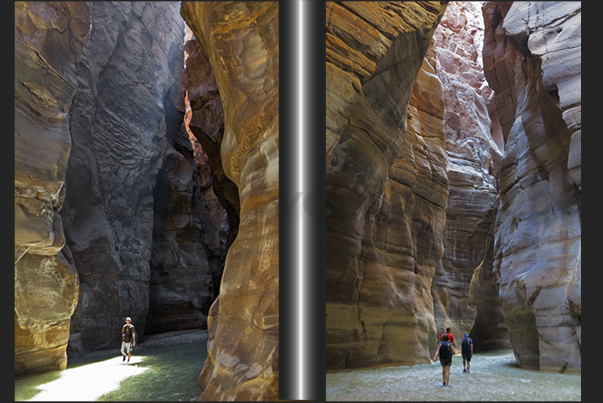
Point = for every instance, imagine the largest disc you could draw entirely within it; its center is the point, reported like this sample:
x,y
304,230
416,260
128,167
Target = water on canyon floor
x,y
494,376
165,367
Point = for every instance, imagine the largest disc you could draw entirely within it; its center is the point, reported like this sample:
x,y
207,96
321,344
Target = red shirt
x,y
450,338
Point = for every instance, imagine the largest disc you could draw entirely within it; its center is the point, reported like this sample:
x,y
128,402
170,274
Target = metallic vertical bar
x,y
288,198
302,200
313,157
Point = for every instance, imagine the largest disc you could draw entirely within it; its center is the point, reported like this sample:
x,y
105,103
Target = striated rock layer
x,y
532,61
465,289
49,37
128,103
242,360
386,184
204,122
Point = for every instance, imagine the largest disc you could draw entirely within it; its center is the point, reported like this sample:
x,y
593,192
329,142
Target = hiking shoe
x,y
464,369
123,358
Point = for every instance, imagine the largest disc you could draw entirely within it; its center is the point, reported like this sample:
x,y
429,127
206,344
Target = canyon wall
x,y
532,61
242,361
49,38
131,210
386,184
464,288
204,122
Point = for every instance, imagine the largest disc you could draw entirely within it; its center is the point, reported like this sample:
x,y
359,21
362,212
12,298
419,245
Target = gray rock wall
x,y
127,78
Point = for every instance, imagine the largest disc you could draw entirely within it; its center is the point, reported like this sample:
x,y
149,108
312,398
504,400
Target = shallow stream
x,y
493,376
165,367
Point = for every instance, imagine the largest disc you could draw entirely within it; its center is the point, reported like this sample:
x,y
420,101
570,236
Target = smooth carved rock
x,y
205,126
532,61
386,182
128,79
464,288
49,38
242,360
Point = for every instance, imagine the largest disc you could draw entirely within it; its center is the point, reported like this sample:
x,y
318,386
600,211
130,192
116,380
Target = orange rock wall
x,y
386,182
49,37
241,39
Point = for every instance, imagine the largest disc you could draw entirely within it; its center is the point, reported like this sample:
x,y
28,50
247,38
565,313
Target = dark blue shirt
x,y
466,345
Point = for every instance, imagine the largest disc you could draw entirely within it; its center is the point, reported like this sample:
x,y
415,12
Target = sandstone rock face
x,y
126,102
532,62
49,37
473,162
205,126
242,358
386,182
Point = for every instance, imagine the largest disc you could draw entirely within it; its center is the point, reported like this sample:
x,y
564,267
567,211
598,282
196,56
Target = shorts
x,y
126,347
467,357
446,362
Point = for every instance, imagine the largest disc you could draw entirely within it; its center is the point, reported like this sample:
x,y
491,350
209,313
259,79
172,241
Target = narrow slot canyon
x,y
453,196
147,186
142,173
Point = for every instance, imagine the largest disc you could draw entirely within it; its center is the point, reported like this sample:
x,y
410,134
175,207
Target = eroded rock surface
x,y
205,126
181,283
386,182
128,79
242,358
532,61
473,161
49,37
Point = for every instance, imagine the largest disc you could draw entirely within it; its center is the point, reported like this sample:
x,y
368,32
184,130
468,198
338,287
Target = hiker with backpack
x,y
128,339
445,351
450,336
466,351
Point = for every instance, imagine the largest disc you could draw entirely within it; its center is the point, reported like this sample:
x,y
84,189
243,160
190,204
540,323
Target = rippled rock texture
x,y
49,37
242,358
532,61
464,288
125,115
386,184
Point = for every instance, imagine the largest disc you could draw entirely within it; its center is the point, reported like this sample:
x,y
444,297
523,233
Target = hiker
x,y
450,337
445,351
466,351
128,339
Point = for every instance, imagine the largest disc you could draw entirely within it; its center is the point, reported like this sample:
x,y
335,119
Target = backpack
x,y
445,350
466,345
126,333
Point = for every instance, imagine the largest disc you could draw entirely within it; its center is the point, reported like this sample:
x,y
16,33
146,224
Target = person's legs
x,y
468,363
464,369
447,372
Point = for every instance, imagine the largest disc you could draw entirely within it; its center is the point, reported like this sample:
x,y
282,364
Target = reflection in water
x,y
493,376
